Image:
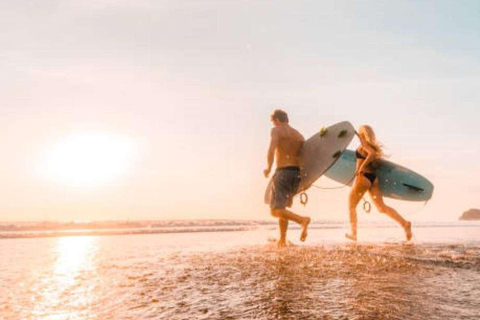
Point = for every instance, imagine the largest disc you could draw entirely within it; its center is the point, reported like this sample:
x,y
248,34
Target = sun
x,y
89,159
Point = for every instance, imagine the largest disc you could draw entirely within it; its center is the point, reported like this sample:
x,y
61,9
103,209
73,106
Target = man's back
x,y
290,143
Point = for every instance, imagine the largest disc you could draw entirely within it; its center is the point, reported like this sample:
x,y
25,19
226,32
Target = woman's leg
x,y
377,199
360,186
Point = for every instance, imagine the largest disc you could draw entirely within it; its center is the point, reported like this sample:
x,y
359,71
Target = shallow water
x,y
242,275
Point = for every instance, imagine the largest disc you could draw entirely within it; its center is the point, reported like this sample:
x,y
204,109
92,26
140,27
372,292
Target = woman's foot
x,y
352,237
305,224
408,230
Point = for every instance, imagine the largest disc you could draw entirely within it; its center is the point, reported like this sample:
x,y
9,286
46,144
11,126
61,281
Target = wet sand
x,y
341,282
240,275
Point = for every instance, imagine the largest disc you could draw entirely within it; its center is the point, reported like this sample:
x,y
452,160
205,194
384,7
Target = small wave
x,y
57,229
454,256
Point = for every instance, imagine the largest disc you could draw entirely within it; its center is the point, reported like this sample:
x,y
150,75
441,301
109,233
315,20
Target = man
x,y
285,146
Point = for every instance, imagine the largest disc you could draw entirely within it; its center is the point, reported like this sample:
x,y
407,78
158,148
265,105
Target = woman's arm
x,y
358,165
371,155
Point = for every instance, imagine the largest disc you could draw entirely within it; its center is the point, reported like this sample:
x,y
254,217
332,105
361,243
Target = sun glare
x,y
89,159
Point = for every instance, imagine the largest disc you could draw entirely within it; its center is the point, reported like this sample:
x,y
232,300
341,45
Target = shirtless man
x,y
285,146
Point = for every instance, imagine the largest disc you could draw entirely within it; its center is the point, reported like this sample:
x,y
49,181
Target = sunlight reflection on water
x,y
74,257
74,254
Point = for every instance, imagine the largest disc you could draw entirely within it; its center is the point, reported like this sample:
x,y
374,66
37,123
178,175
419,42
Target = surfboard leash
x,y
304,195
367,207
329,188
417,210
303,198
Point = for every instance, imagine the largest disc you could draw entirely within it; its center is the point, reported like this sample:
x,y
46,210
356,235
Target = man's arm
x,y
271,152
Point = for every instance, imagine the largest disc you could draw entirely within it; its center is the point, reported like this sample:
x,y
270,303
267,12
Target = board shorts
x,y
286,181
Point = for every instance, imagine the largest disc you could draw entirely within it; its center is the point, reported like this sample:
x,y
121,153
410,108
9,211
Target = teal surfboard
x,y
396,182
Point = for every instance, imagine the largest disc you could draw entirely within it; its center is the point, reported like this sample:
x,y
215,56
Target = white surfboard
x,y
319,153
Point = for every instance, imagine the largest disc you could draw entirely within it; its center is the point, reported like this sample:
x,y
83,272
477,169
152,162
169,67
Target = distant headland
x,y
472,214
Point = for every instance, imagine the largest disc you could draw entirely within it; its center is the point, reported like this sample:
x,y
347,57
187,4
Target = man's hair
x,y
280,115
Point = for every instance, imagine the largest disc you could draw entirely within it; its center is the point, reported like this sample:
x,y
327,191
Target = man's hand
x,y
266,172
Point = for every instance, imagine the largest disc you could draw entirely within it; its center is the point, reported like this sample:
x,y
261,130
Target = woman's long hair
x,y
370,138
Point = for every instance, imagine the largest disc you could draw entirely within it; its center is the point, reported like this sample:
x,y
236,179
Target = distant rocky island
x,y
472,214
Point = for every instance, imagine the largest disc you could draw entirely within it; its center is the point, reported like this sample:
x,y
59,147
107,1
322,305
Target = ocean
x,y
211,271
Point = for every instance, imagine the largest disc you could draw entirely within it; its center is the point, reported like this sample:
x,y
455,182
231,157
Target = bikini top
x,y
358,155
372,166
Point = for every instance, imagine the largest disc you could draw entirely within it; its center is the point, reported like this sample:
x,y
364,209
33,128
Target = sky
x,y
184,91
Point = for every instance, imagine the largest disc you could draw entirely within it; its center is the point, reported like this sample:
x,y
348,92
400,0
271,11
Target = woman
x,y
366,180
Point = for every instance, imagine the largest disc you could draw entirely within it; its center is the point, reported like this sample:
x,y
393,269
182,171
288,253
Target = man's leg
x,y
305,223
288,215
285,214
283,225
285,185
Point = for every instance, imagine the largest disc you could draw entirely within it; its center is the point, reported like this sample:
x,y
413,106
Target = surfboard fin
x,y
413,187
322,132
342,133
337,154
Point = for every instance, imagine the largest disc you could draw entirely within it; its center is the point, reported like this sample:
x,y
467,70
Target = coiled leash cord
x,y
304,196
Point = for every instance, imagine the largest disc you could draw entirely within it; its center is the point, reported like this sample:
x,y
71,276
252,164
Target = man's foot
x,y
305,224
352,237
408,230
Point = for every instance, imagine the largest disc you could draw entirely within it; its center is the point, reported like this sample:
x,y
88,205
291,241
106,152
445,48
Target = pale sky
x,y
190,86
